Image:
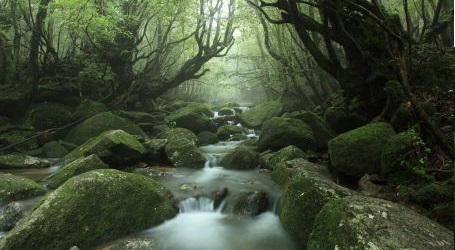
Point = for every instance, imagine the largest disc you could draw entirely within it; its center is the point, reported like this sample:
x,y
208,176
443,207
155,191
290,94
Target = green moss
x,y
434,193
226,131
18,161
240,158
50,115
14,188
89,108
184,153
255,117
54,149
82,165
206,138
321,130
285,154
92,208
194,117
180,133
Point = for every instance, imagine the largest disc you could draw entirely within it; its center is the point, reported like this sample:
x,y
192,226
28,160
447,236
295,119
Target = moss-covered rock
x,y
139,117
14,188
251,203
241,158
92,208
16,134
98,124
20,161
226,111
116,148
226,131
341,120
434,194
59,92
194,117
321,131
184,153
13,100
135,244
250,143
50,115
10,215
180,133
206,138
285,154
79,166
280,132
358,151
255,117
356,222
155,153
238,137
89,108
54,149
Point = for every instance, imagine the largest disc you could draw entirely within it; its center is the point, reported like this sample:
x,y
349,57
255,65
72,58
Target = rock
x,y
251,203
155,151
89,108
10,215
13,100
356,222
321,131
59,92
368,188
20,161
285,154
226,131
434,194
79,166
280,132
400,147
116,148
193,117
238,137
307,191
255,117
54,149
252,144
341,120
218,196
13,188
240,158
50,115
226,111
184,153
135,244
98,124
180,133
358,152
90,209
138,117
206,138
17,134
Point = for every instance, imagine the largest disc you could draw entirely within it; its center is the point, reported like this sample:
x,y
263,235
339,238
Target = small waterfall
x,y
192,204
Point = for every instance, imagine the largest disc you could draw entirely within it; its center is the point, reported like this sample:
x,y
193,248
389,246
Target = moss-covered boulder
x,y
226,131
226,111
98,124
250,143
280,132
434,194
14,188
116,148
241,158
255,117
60,92
79,166
251,203
358,151
206,138
285,154
154,152
10,215
135,244
184,153
90,209
50,115
194,117
20,161
307,191
54,149
399,149
356,222
15,134
342,121
179,133
89,108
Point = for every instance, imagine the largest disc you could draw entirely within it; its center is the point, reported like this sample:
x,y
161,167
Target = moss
x,y
226,131
92,208
98,124
395,150
433,194
255,117
89,108
341,121
251,203
82,165
54,149
240,158
206,138
320,129
285,154
14,135
180,133
194,117
19,161
50,115
280,132
358,151
251,144
226,111
14,188
138,117
184,153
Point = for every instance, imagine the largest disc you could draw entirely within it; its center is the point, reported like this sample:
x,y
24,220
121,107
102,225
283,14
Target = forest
x,y
227,124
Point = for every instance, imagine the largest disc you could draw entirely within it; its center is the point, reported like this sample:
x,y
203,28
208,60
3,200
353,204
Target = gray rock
x,y
251,203
10,215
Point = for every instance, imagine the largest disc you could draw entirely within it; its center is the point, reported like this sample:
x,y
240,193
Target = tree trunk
x,y
35,43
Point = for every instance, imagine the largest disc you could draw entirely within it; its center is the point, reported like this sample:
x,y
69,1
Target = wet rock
x,y
184,153
206,138
241,158
89,108
358,152
54,149
154,151
285,154
356,222
13,188
193,117
20,161
100,123
50,115
280,132
79,166
225,132
250,143
154,172
218,196
135,244
10,215
368,187
251,203
255,117
90,209
342,121
226,111
116,148
180,133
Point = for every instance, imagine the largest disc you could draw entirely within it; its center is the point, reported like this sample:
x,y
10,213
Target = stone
x,y
10,215
321,131
358,152
241,158
255,117
116,148
400,147
356,222
54,149
50,115
226,111
92,208
20,161
193,117
251,203
155,151
13,100
98,124
179,133
79,166
184,153
342,121
136,244
207,138
13,188
285,154
225,132
279,132
88,108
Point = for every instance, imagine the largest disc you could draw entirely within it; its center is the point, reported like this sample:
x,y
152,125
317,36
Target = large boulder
x,y
341,120
356,222
79,166
225,132
241,158
321,131
20,161
179,133
50,115
13,188
206,138
89,108
116,148
90,209
54,149
59,92
400,148
358,152
251,203
307,191
98,124
285,154
194,117
184,153
255,117
280,132
155,152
